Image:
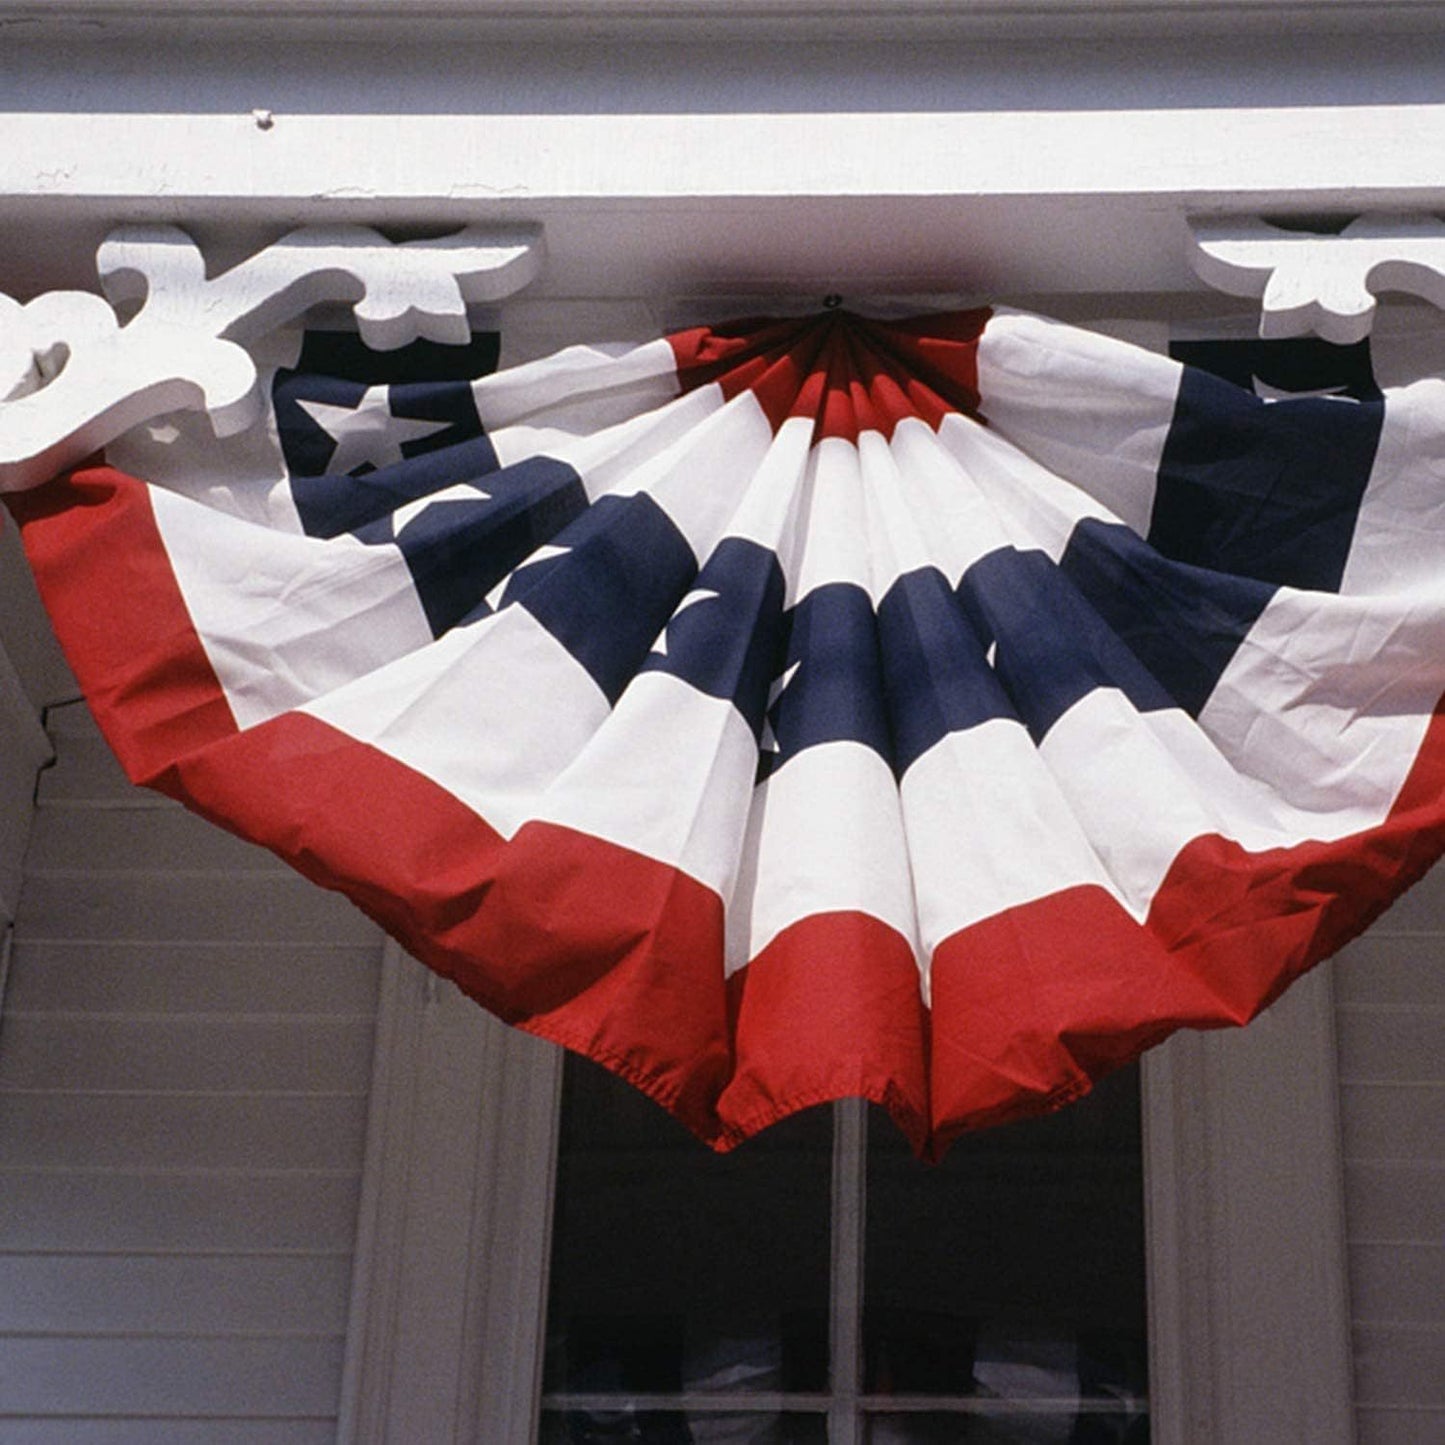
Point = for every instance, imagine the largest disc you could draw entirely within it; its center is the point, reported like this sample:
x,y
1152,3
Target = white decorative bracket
x,y
1322,283
74,377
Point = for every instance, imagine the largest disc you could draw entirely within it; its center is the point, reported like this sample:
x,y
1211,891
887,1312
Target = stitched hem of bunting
x,y
1028,1006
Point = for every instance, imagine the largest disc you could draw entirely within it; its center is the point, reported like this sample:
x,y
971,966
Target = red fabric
x,y
102,570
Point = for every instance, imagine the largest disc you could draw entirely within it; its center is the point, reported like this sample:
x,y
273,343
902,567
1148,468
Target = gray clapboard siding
x,y
1398,1283
186,1053
1391,1028
25,629
205,1131
187,1209
86,838
85,771
1390,1043
169,1375
147,1430
145,977
1386,1122
201,904
1386,967
24,747
1399,1363
129,1294
1383,1425
184,1062
1399,1201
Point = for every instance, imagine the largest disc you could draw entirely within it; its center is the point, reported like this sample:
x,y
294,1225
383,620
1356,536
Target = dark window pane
x,y
674,1268
1015,1268
625,1426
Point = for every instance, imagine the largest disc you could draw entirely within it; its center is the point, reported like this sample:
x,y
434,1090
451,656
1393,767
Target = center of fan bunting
x,y
846,372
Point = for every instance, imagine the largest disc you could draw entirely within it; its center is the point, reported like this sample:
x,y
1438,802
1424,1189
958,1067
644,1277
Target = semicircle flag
x,y
939,711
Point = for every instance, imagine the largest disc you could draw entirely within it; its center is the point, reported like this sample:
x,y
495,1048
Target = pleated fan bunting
x,y
939,711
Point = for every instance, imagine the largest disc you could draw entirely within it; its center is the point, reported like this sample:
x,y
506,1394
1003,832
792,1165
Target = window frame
x,y
1244,1223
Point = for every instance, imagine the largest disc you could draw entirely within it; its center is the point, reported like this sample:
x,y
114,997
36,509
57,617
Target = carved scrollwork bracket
x,y
74,376
1325,283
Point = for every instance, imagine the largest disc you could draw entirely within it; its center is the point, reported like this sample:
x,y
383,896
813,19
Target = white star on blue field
x,y
367,434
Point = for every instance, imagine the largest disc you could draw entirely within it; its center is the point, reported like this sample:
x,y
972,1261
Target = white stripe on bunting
x,y
668,774
602,459
285,618
1033,509
579,388
1032,372
1329,699
505,680
1396,542
825,835
988,782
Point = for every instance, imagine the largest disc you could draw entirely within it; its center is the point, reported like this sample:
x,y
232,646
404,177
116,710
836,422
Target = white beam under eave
x,y
824,18
1002,201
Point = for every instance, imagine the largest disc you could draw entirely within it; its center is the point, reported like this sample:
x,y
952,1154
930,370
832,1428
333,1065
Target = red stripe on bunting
x,y
1033,1005
610,953
845,373
827,979
118,612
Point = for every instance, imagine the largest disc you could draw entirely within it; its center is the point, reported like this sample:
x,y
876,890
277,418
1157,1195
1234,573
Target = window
x,y
820,1284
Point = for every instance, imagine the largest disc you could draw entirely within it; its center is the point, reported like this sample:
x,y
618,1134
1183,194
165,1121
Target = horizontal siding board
x,y
1398,1202
91,1209
1379,1425
163,838
204,906
1385,968
1420,910
173,1294
307,1054
1390,1043
1400,1365
1398,1283
148,1430
85,769
1392,1121
194,978
159,1130
259,1378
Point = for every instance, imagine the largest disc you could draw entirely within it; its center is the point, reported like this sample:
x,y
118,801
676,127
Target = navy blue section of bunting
x,y
459,549
332,504
625,567
446,409
935,666
1267,490
1051,646
728,640
1183,623
1279,367
420,392
832,677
